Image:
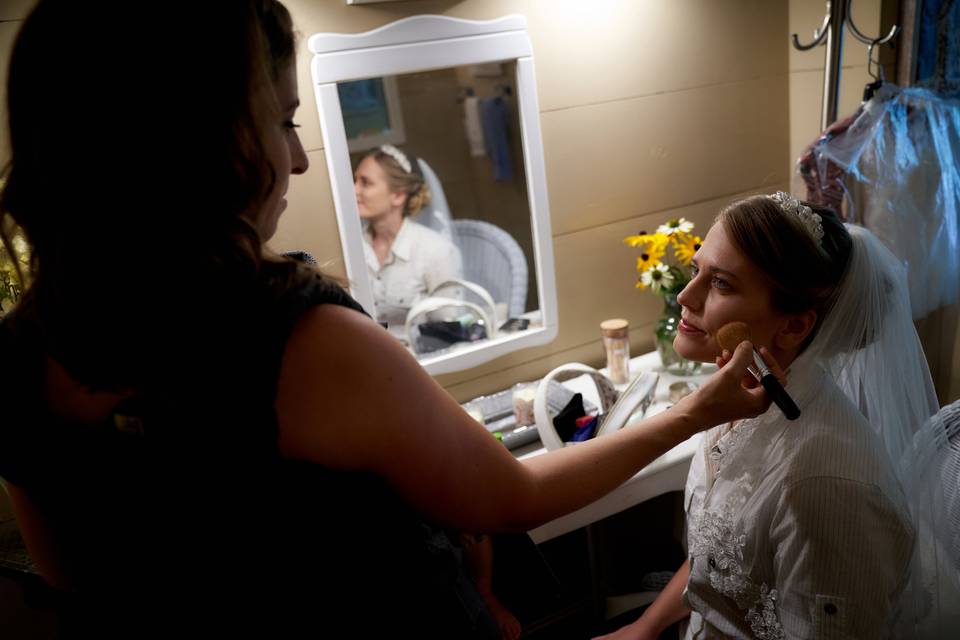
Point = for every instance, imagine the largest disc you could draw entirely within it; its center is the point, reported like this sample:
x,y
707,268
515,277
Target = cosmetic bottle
x,y
616,344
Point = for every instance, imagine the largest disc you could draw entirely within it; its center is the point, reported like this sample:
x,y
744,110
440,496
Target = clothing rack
x,y
831,31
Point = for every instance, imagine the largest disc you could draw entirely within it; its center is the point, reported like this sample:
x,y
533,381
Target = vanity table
x,y
666,473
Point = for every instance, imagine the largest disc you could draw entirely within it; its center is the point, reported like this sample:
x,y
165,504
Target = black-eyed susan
x,y
657,272
685,245
641,238
651,256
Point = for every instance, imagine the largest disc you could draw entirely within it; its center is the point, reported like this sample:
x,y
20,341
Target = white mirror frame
x,y
420,43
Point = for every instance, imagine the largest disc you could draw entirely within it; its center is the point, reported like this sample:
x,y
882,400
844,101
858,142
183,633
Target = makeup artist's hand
x,y
732,393
748,380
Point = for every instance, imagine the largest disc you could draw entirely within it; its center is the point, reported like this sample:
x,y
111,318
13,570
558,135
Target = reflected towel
x,y
495,133
474,129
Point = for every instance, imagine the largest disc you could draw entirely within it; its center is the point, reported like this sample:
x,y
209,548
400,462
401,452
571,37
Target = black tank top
x,y
179,515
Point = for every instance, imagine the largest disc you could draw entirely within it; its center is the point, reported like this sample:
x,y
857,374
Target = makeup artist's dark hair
x,y
280,37
137,250
802,272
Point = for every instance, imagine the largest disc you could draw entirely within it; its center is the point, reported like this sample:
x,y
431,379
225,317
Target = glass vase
x,y
664,333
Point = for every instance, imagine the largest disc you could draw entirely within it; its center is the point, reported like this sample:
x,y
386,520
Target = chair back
x,y
494,260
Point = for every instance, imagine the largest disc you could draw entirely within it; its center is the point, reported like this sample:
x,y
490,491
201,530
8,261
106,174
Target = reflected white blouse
x,y
796,529
419,260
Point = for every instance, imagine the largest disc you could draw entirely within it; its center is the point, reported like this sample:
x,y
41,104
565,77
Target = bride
x,y
804,529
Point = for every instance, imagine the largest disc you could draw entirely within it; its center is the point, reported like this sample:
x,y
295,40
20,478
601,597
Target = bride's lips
x,y
686,327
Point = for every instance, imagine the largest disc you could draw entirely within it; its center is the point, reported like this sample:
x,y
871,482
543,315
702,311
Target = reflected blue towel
x,y
494,112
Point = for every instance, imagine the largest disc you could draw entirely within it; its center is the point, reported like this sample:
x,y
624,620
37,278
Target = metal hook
x,y
838,14
878,76
864,39
818,35
873,75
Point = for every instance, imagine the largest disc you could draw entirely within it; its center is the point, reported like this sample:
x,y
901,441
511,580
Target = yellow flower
x,y
652,252
685,245
641,239
657,273
651,242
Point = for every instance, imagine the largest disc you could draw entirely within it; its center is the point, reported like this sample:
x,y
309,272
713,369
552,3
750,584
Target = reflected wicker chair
x,y
494,260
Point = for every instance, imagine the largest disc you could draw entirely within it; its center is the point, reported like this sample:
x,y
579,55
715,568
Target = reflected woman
x,y
405,260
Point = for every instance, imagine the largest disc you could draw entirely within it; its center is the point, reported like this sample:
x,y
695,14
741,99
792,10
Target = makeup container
x,y
523,396
616,345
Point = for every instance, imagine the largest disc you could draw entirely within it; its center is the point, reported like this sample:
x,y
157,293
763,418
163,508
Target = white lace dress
x,y
795,529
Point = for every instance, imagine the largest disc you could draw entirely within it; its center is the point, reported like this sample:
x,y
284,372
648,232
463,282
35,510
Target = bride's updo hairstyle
x,y
403,176
803,271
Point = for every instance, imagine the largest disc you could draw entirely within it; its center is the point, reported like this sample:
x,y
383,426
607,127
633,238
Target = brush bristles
x,y
732,334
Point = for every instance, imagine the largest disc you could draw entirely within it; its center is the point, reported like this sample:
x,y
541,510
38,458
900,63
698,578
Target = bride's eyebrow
x,y
716,270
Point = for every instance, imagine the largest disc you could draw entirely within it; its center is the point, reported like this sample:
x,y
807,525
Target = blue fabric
x,y
494,113
938,47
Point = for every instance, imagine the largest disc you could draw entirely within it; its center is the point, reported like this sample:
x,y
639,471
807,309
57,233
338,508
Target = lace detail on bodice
x,y
728,443
717,537
763,616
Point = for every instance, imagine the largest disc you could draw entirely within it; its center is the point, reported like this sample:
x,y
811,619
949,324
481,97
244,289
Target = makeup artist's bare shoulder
x,y
341,369
343,339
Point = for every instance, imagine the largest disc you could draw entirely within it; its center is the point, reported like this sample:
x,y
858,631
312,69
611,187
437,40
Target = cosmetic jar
x,y
523,395
616,345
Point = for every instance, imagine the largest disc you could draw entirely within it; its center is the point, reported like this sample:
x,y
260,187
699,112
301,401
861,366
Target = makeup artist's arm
x,y
351,397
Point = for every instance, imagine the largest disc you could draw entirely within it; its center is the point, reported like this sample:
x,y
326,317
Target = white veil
x,y
868,343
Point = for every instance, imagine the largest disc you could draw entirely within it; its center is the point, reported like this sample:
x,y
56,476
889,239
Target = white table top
x,y
666,473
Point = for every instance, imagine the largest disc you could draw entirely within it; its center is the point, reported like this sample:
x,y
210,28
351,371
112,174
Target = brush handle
x,y
780,396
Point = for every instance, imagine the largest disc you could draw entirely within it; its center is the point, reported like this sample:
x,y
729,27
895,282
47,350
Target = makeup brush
x,y
732,334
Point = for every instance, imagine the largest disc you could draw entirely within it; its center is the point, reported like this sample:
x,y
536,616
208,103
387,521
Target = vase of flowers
x,y
667,278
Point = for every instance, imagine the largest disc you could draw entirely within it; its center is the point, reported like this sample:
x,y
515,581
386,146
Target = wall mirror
x,y
449,103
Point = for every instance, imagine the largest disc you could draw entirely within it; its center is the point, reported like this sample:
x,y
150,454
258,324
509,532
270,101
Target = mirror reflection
x,y
441,191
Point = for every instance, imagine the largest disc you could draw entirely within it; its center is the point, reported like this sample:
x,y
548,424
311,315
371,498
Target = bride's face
x,y
726,287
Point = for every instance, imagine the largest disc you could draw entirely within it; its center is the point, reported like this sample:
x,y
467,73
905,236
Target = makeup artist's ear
x,y
795,330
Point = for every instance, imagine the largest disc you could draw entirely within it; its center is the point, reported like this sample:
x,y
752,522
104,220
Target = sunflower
x,y
657,277
685,245
676,225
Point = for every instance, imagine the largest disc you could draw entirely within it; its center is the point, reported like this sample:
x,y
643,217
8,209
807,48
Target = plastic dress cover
x,y
868,344
897,166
